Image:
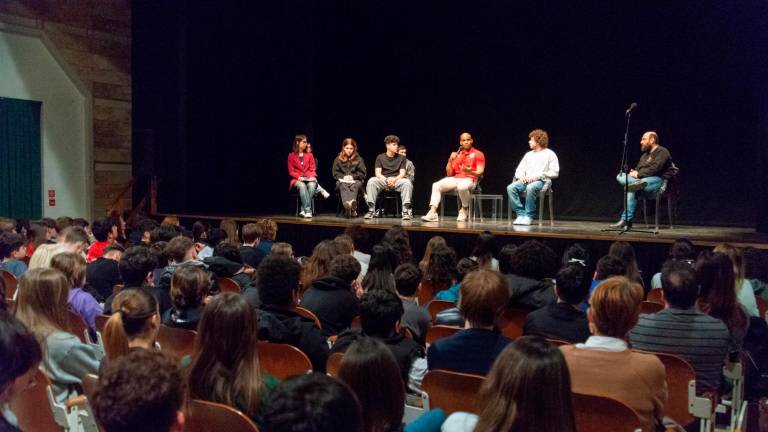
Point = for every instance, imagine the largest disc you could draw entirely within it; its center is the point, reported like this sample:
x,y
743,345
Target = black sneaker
x,y
368,215
636,186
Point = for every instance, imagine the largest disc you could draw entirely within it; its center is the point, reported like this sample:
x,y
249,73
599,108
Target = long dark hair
x,y
485,249
225,367
527,390
381,268
717,296
626,253
441,270
347,141
397,238
19,351
381,394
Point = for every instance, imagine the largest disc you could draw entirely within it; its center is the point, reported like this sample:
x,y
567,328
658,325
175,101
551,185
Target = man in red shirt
x,y
462,170
105,232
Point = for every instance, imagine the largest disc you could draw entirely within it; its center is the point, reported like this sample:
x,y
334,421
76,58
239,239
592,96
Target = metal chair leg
x,y
669,210
551,207
542,197
656,216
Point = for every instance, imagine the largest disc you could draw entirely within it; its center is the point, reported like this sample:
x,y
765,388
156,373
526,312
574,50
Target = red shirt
x,y
96,250
471,159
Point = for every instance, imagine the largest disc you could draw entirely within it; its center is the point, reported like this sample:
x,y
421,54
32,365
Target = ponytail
x,y
115,339
132,309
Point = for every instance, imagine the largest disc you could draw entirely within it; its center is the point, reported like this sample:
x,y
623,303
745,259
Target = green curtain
x,y
20,160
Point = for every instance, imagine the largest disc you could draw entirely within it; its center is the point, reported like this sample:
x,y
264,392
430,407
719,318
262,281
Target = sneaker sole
x,y
634,187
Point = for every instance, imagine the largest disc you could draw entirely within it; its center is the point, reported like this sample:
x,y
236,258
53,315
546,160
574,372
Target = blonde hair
x,y
229,226
132,310
737,260
42,302
72,265
170,220
43,255
615,306
281,248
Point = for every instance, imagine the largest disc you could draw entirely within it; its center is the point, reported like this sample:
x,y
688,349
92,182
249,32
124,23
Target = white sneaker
x,y
517,220
525,220
463,215
430,217
323,192
308,215
301,213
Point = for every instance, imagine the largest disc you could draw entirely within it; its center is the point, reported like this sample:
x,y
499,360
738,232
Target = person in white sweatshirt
x,y
537,167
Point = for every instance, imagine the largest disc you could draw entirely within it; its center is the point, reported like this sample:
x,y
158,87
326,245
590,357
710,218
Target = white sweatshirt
x,y
542,163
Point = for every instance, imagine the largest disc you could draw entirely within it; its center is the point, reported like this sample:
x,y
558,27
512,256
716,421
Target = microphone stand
x,y
625,169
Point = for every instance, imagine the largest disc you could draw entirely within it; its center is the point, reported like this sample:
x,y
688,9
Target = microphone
x,y
631,107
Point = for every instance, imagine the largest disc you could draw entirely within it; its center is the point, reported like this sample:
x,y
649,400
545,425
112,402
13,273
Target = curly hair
x,y
534,260
441,270
397,238
268,228
277,279
540,136
391,139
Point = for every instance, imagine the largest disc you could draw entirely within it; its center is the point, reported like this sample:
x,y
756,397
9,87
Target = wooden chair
x,y
33,409
77,326
101,322
90,384
654,295
283,360
680,373
426,293
117,288
308,314
229,285
451,391
333,364
558,342
10,283
204,416
176,342
762,306
602,414
649,307
436,306
356,323
513,322
440,331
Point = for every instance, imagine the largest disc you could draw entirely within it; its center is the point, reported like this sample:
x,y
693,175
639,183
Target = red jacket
x,y
296,169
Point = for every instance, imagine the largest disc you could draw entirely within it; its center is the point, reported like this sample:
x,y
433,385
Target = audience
x,y
607,266
745,294
313,403
104,273
282,249
249,251
79,301
105,232
318,265
136,268
133,325
73,239
484,298
626,253
12,252
225,366
717,297
441,270
397,238
604,365
20,357
42,256
332,298
415,318
229,226
463,268
268,235
681,329
359,236
563,320
527,390
227,262
682,249
433,243
189,287
141,391
532,264
278,285
505,258
181,251
485,251
214,237
382,265
42,306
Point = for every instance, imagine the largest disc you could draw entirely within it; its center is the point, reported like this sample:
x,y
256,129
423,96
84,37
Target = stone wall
x,y
93,38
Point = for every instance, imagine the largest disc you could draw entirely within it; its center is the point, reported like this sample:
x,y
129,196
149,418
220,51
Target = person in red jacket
x,y
301,168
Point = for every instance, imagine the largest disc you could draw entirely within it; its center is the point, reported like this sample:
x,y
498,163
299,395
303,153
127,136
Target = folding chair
x,y
204,416
33,410
451,391
176,342
10,283
436,306
282,360
513,322
228,285
602,414
77,326
654,295
649,307
333,364
440,331
427,292
308,314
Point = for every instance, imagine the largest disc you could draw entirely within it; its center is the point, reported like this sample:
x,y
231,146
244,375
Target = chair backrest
x,y
77,326
436,306
101,322
283,360
440,331
558,342
427,292
33,409
204,416
10,283
654,295
649,307
90,384
762,306
308,314
679,374
176,342
356,323
452,391
117,288
602,414
228,285
333,364
513,322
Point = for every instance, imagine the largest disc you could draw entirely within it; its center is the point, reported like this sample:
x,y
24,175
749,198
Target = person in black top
x,y
189,287
103,274
563,320
332,298
136,267
349,171
249,251
390,175
654,167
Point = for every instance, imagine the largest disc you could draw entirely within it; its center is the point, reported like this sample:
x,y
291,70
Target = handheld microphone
x,y
631,107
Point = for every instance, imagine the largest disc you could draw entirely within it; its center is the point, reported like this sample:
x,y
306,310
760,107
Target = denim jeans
x,y
652,186
306,193
531,194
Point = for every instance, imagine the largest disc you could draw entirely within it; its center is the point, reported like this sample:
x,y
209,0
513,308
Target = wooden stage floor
x,y
562,229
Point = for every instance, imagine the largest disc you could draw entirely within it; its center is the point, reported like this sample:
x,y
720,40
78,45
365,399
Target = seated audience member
x,y
484,298
682,250
682,330
136,268
8,225
380,314
268,235
141,391
604,365
441,269
12,252
463,268
318,265
78,301
528,390
103,274
162,260
189,287
62,223
229,226
381,394
36,236
397,238
225,366
283,249
433,243
717,298
359,236
215,236
181,251
278,285
105,232
485,251
42,256
250,252
532,264
134,325
745,294
20,357
42,306
756,270
73,239
332,298
226,262
312,403
142,233
607,266
505,258
626,253
383,264
82,223
167,232
415,318
563,320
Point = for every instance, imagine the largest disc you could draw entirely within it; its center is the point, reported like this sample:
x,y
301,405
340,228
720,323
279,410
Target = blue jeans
x,y
531,194
652,186
306,192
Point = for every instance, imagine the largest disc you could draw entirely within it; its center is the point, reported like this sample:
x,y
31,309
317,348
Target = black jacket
x,y
280,325
558,321
183,318
404,349
354,168
252,255
224,268
334,303
101,276
471,351
162,296
529,294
